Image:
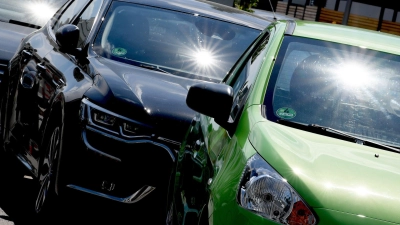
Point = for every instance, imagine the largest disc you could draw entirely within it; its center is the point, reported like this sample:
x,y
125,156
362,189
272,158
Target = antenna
x,y
272,9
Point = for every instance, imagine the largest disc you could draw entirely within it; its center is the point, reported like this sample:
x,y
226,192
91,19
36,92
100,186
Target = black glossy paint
x,y
155,98
11,36
45,86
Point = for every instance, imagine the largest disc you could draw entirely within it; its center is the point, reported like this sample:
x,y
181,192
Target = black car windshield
x,y
347,88
32,12
181,44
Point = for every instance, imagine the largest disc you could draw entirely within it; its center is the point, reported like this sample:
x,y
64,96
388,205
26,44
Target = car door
x,y
74,69
47,76
200,157
28,77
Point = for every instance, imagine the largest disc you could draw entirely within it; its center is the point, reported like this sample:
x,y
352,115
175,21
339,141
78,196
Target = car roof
x,y
210,9
364,38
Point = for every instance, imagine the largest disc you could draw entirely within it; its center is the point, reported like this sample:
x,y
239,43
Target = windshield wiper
x,y
24,24
338,134
151,67
142,65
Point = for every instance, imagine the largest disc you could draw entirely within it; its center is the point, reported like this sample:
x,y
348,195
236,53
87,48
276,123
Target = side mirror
x,y
211,99
67,37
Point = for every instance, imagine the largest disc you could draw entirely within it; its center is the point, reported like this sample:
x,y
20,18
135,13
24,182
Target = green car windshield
x,y
347,88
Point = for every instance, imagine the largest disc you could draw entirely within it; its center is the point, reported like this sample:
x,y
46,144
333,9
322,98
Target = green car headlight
x,y
263,191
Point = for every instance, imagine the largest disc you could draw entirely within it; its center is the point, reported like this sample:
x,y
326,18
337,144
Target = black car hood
x,y
11,36
154,98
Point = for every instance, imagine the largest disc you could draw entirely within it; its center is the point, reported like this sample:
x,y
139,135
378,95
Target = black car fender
x,y
193,172
56,113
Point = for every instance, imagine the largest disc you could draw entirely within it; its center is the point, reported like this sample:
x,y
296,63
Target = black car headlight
x,y
103,118
133,129
263,191
98,117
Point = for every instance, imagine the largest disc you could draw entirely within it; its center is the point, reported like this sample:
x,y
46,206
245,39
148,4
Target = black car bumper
x,y
123,168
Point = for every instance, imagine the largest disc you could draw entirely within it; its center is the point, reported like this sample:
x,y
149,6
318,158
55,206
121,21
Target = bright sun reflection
x,y
204,58
353,74
297,171
328,185
362,191
42,10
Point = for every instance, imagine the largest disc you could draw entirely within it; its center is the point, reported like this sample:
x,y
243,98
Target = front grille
x,y
120,147
143,162
123,152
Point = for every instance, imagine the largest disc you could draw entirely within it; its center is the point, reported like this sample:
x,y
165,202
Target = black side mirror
x,y
67,37
211,99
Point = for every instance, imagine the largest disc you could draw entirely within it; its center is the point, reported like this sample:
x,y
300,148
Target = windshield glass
x,y
350,89
34,12
181,44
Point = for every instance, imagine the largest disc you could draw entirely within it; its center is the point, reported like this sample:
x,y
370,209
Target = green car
x,y
304,130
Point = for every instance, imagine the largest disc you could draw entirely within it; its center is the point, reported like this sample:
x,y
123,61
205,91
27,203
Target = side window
x,y
57,15
86,20
73,9
244,82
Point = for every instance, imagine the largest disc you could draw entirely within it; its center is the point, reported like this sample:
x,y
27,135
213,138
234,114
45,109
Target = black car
x,y
95,100
19,18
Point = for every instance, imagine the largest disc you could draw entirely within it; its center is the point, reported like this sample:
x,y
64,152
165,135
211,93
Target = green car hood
x,y
331,173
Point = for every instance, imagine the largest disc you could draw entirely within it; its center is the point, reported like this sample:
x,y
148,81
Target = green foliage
x,y
246,4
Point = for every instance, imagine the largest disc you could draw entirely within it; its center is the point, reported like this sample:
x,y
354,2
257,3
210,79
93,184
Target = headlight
x,y
263,191
106,120
134,129
103,118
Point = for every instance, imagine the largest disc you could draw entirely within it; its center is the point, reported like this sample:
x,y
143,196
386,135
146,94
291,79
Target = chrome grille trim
x,y
171,154
137,196
87,102
90,147
169,141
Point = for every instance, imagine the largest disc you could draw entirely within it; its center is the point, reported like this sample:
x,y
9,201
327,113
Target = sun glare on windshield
x,y
353,74
204,58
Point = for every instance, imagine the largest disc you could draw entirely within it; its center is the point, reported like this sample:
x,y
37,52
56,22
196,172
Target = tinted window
x,y
244,82
73,9
85,21
179,43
